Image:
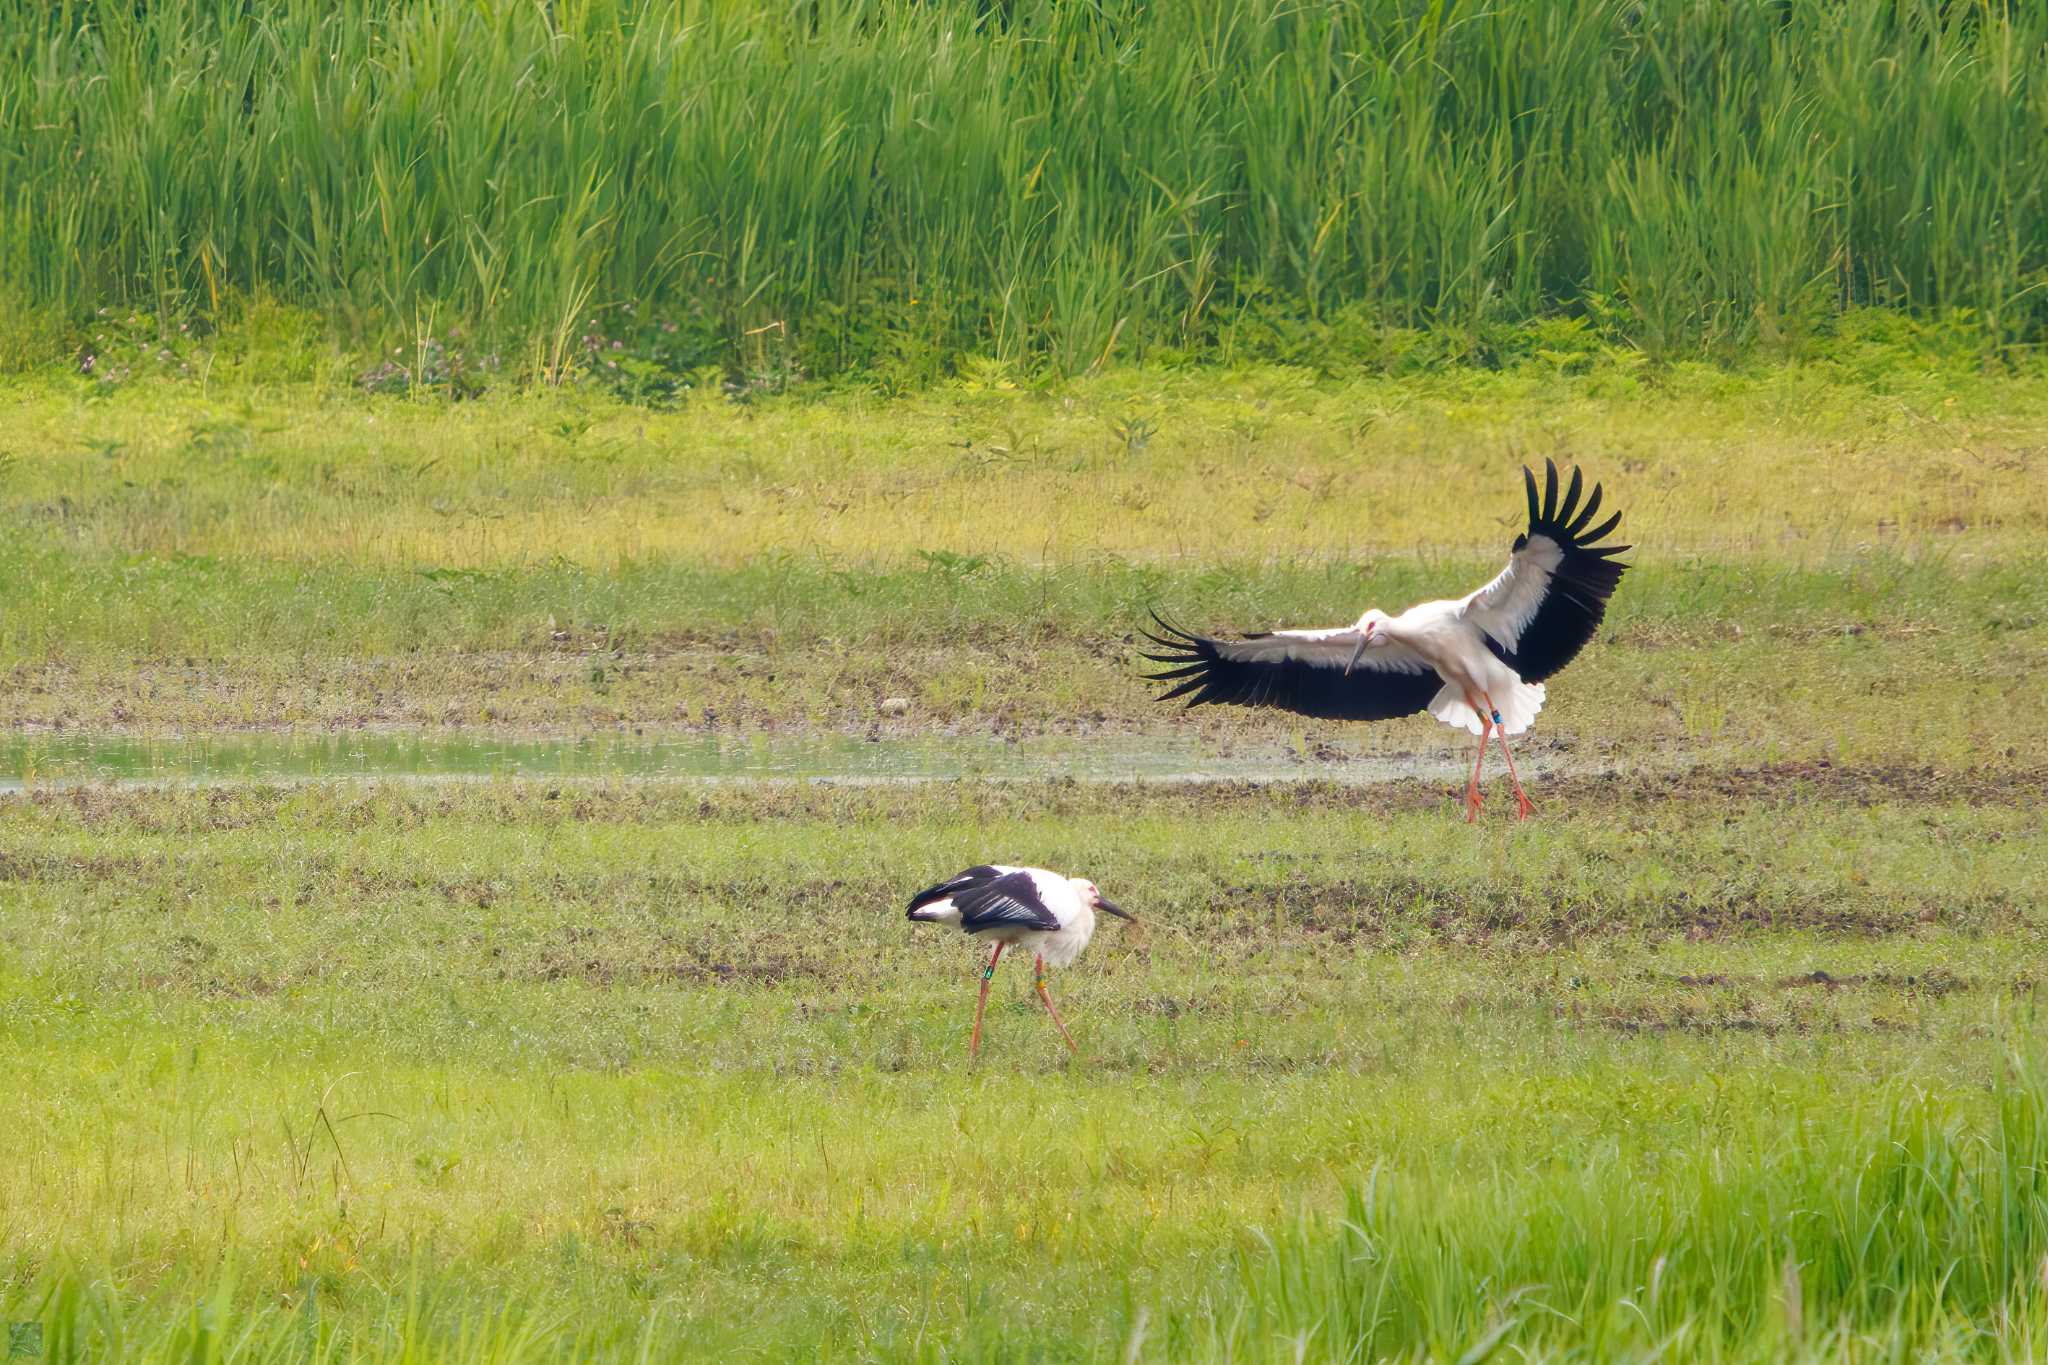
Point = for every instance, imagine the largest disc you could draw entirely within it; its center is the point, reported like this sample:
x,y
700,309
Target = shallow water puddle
x,y
70,760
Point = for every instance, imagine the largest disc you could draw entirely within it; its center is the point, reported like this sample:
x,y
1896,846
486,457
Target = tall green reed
x,y
888,185
1914,1229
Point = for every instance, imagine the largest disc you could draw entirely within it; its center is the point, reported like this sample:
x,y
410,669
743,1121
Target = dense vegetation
x,y
895,189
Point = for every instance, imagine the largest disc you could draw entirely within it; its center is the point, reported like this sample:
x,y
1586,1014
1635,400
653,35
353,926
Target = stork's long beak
x,y
1105,905
1356,653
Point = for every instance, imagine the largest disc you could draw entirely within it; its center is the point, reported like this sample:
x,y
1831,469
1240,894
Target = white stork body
x,y
1476,662
1437,637
1027,908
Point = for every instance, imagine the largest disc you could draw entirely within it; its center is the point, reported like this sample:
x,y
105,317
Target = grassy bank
x,y
555,1070
895,190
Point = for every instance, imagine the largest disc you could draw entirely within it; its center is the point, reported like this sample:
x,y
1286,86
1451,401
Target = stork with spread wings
x,y
1477,662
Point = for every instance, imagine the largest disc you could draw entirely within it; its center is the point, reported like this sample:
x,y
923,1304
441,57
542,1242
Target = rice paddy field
x,y
528,532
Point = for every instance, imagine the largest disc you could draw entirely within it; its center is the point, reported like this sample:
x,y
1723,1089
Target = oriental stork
x,y
1020,907
1477,661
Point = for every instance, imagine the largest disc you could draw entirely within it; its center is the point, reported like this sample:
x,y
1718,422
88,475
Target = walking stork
x,y
1021,907
1477,662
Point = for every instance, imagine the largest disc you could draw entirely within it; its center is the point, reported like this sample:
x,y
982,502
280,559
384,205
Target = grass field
x,y
1823,546
1732,1054
453,455
539,1070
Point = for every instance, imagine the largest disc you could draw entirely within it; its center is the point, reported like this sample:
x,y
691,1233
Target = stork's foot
x,y
1473,800
1524,808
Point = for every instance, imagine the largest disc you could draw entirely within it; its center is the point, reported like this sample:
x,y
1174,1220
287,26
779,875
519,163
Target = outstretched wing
x,y
1549,600
1010,901
1296,670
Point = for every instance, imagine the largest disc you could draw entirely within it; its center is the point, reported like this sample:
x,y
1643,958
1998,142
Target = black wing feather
x,y
1586,512
972,877
1585,578
1259,671
1007,902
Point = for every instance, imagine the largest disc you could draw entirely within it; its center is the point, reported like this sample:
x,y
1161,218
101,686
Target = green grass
x,y
640,1060
1732,1054
1833,559
897,190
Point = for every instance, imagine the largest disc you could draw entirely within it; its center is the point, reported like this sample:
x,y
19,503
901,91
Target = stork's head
x,y
1091,896
1372,633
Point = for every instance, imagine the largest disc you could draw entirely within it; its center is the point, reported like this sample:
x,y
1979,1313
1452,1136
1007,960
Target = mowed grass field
x,y
1732,1054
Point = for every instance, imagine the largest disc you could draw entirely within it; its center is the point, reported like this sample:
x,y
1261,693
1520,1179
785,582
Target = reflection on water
x,y
71,759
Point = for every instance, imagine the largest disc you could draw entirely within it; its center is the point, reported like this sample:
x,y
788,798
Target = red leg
x,y
1523,807
1472,790
1057,1021
974,1042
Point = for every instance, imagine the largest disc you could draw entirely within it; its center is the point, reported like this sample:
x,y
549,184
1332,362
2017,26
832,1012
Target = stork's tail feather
x,y
1517,704
938,912
934,905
